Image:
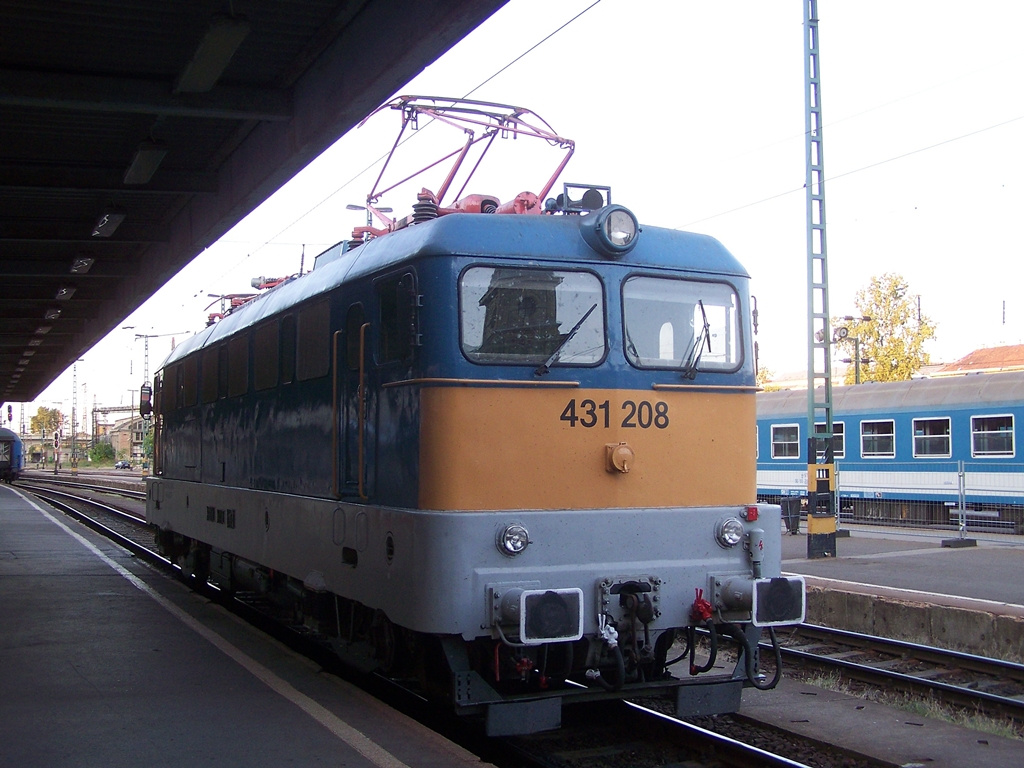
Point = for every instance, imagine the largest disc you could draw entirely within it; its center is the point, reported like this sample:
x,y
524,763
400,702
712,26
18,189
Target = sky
x,y
693,112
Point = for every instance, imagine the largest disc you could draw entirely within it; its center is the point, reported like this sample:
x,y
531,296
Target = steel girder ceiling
x,y
221,102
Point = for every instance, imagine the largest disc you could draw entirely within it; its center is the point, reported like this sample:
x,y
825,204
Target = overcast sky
x,y
694,113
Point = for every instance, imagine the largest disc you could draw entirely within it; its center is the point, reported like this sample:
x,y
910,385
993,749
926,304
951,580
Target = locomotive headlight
x,y
512,539
611,231
729,532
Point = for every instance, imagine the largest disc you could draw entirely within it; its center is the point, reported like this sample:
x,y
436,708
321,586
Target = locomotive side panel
x,y
434,571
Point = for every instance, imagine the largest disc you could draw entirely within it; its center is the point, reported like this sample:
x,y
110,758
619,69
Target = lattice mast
x,y
819,352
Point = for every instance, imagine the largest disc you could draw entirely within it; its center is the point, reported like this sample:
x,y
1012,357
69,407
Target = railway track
x,y
127,528
992,686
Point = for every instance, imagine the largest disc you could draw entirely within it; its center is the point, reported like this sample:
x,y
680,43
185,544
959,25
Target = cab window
x,y
520,316
681,324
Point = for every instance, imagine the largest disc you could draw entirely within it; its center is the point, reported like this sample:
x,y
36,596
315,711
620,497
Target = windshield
x,y
532,316
683,324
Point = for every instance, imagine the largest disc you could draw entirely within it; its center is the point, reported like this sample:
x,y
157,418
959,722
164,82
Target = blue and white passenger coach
x,y
510,456
907,451
12,455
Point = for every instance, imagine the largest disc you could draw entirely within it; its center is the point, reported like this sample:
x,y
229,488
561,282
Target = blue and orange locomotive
x,y
506,450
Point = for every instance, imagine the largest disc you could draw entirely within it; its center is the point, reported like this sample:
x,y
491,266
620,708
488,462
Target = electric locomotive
x,y
504,454
12,458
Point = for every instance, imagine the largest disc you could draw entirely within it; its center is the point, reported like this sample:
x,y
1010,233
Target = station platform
x,y
904,584
107,662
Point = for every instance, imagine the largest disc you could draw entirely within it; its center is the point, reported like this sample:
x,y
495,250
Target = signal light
x,y
750,514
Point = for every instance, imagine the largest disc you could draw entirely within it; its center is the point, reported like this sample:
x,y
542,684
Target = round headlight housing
x,y
611,231
512,539
729,532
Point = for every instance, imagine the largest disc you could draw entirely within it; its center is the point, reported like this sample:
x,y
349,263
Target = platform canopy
x,y
134,134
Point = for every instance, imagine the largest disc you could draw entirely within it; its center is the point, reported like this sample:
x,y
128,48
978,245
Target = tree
x,y
46,420
893,339
102,451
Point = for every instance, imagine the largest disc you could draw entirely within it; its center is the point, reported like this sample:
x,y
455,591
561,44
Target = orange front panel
x,y
545,448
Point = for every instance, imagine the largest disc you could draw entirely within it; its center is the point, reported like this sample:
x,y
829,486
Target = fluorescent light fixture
x,y
65,292
213,55
147,159
23,361
34,342
107,223
52,314
28,352
42,330
82,264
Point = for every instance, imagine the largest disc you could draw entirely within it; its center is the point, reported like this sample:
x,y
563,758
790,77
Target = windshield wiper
x,y
693,357
545,367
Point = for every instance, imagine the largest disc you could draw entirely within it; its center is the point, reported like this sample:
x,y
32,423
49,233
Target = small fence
x,y
967,496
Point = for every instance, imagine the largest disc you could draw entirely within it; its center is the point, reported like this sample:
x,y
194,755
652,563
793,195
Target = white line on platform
x,y
354,738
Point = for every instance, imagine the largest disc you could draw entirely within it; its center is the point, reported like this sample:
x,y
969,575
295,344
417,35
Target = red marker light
x,y
751,514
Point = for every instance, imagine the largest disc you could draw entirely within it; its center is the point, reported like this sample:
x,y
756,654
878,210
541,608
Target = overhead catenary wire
x,y
853,171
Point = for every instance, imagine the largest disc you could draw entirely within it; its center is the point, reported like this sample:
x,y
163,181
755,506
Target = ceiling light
x,y
52,314
107,223
28,352
42,330
213,55
82,264
147,159
23,361
34,342
65,292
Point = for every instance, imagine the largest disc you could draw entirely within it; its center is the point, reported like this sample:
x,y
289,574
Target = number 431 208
x,y
633,415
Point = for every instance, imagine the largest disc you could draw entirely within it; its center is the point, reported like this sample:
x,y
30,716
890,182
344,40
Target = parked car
x,y
123,465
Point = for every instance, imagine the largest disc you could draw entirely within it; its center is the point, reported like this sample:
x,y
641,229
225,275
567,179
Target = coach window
x,y
524,316
681,324
314,345
238,365
288,349
838,439
209,374
877,439
175,385
785,441
396,297
353,326
265,360
992,436
190,385
222,371
931,438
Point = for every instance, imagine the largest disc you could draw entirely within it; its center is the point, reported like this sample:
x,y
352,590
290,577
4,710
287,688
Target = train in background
x,y
497,451
906,452
12,455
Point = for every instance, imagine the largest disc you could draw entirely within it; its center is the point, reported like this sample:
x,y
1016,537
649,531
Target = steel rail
x,y
997,669
54,497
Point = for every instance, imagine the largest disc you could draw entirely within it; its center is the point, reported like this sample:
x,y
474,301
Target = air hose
x,y
748,660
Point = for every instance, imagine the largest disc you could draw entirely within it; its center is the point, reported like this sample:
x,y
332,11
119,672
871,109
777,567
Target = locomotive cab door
x,y
351,376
